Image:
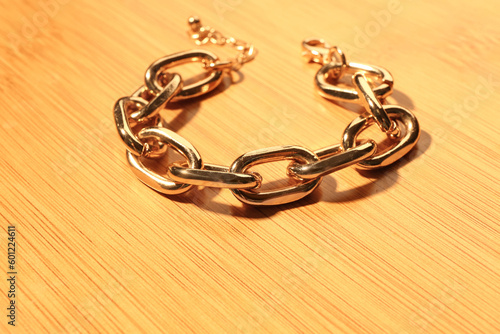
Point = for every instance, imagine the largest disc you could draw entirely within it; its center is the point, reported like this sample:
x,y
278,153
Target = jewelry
x,y
142,130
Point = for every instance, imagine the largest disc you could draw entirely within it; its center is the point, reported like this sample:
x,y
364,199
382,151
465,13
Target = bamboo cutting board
x,y
413,248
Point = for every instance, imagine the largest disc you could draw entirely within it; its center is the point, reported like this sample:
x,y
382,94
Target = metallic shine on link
x,y
214,176
122,125
335,162
371,103
281,195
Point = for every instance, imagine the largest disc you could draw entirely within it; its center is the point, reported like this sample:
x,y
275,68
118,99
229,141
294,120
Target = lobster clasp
x,y
316,50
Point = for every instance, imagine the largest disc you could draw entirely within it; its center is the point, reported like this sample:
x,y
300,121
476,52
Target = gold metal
x,y
333,163
373,105
204,34
133,144
174,141
141,128
214,176
204,86
156,182
159,101
317,50
153,180
328,151
122,125
403,144
332,92
281,195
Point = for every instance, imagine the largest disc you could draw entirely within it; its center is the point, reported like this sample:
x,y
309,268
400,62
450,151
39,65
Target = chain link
x,y
128,133
141,128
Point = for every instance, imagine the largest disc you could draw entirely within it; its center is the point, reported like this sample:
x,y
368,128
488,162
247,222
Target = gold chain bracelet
x,y
142,130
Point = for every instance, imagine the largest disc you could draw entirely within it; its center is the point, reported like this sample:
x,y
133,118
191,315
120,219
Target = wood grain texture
x,y
410,249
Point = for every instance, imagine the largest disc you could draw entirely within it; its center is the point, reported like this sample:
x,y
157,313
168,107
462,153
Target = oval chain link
x,y
141,128
156,71
158,182
280,195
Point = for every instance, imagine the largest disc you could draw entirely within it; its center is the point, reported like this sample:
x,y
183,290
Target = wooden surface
x,y
411,249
